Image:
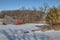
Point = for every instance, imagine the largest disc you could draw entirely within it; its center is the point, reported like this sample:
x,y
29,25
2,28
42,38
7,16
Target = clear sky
x,y
17,4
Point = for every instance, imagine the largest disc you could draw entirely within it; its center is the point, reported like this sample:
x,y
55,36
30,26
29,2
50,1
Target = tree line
x,y
50,15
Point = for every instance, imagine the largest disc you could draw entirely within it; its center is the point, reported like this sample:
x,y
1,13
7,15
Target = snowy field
x,y
16,32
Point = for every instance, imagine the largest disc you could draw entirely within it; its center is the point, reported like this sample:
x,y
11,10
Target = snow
x,y
50,31
16,32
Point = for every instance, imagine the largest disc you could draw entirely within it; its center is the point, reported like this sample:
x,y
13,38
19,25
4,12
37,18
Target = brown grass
x,y
51,27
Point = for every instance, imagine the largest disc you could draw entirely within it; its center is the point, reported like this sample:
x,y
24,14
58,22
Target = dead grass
x,y
51,27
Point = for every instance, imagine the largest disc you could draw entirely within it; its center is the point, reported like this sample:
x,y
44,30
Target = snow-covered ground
x,y
16,32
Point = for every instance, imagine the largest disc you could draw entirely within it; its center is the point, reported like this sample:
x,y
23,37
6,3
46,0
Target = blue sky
x,y
17,4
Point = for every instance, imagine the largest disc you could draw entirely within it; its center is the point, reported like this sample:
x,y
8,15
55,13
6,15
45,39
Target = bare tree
x,y
34,8
44,8
23,8
41,9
